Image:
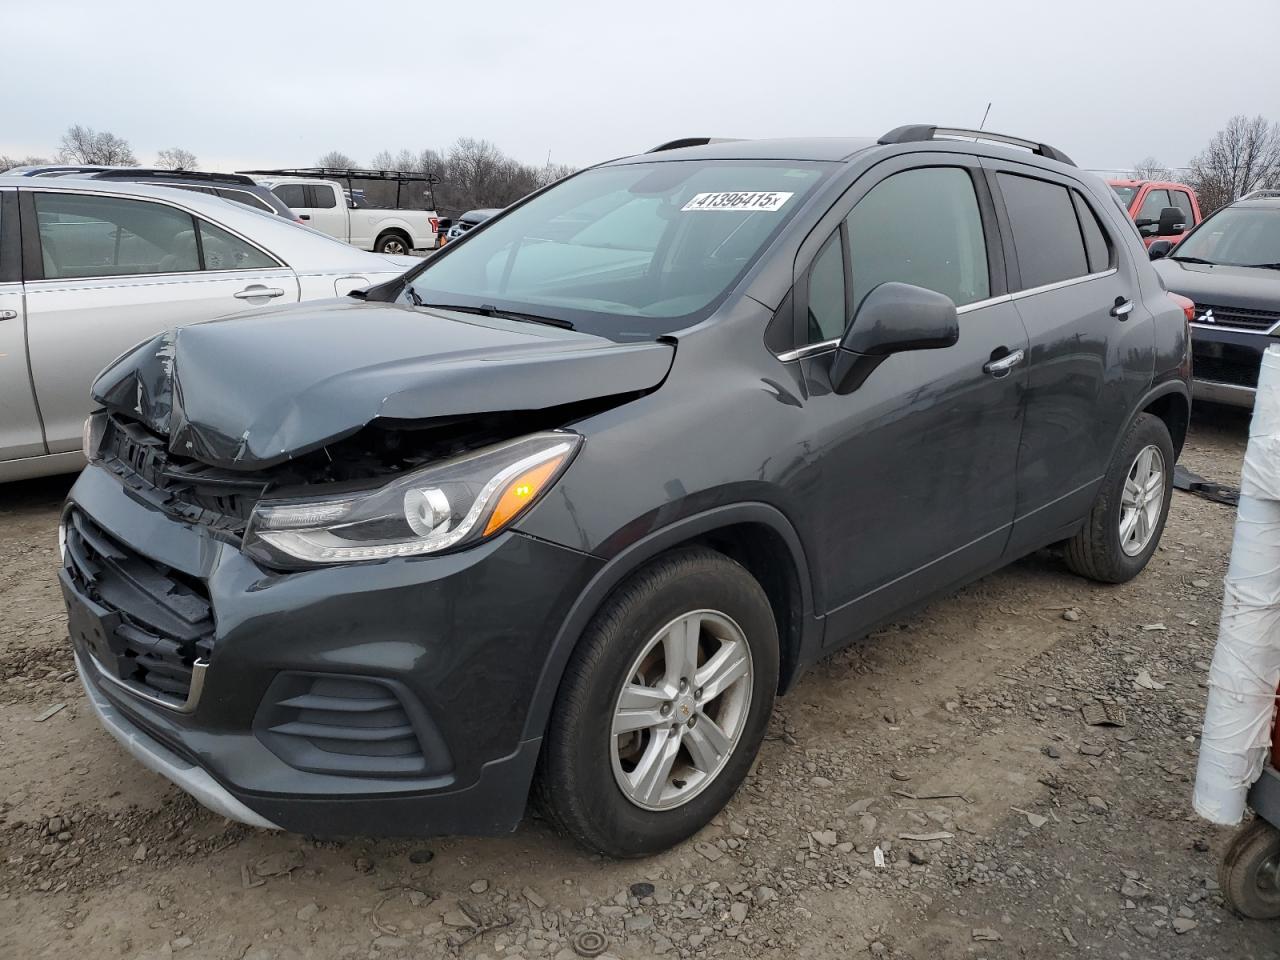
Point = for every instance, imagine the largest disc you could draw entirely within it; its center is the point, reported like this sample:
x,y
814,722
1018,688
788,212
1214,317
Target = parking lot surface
x,y
955,741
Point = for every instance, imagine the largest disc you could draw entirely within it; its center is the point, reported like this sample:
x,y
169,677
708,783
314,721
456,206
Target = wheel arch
x,y
756,535
1171,402
395,229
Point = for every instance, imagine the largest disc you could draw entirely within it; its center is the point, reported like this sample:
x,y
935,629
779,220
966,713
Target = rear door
x,y
20,434
105,272
1092,343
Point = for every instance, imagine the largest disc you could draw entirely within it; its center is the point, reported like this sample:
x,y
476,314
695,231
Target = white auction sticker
x,y
768,200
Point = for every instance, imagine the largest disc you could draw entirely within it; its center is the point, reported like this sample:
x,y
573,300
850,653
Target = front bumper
x,y
1225,364
456,642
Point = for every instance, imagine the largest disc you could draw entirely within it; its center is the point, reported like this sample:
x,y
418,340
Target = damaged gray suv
x,y
561,511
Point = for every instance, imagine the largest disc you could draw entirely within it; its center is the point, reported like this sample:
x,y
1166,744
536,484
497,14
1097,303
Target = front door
x,y
915,469
1092,343
106,272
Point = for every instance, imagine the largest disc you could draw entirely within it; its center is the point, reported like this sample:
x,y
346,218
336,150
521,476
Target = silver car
x,y
90,268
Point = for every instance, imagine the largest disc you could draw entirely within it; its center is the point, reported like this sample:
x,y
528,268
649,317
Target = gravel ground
x,y
954,741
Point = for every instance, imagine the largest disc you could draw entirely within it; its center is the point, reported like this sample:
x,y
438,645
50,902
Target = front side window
x,y
291,194
1149,215
1236,236
89,236
628,252
1046,232
1182,200
921,227
225,251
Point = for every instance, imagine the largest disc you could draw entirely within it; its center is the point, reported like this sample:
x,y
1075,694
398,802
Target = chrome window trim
x,y
1061,284
280,264
812,349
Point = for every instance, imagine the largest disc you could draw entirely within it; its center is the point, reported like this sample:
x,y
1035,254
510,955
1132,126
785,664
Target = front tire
x,y
663,706
1129,511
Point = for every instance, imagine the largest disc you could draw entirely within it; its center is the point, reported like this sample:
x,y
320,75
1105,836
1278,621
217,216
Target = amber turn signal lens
x,y
521,492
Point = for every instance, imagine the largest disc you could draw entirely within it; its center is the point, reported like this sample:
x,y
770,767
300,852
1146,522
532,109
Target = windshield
x,y
1236,236
627,252
1125,194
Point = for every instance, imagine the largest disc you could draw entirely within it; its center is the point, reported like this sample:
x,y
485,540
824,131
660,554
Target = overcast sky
x,y
265,85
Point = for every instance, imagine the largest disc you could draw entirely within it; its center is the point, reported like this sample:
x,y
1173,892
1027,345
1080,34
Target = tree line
x,y
1243,156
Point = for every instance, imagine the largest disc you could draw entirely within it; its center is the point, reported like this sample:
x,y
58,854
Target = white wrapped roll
x,y
1246,663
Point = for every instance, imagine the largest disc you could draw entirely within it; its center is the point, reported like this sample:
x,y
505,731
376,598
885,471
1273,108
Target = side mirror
x,y
1172,221
351,205
892,318
1159,249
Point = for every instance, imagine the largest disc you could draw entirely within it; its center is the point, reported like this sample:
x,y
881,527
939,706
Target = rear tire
x,y
589,781
1124,526
393,243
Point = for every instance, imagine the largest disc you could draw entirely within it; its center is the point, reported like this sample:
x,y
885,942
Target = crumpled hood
x,y
1253,288
254,390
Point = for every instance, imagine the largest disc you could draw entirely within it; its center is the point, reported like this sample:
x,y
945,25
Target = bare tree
x,y
8,163
1149,168
175,158
403,161
88,146
338,159
1242,156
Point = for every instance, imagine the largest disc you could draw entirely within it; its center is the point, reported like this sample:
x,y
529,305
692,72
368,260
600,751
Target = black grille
x,y
161,622
1227,369
184,489
1236,318
349,725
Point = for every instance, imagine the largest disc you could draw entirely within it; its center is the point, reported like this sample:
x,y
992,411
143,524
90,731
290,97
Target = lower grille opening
x,y
326,723
159,622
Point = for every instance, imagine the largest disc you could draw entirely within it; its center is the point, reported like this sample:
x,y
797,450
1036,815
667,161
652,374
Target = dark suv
x,y
570,503
1230,267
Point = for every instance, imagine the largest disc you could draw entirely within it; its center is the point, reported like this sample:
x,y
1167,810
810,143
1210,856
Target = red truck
x,y
1146,201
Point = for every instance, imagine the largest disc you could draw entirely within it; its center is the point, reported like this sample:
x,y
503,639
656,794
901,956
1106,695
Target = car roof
x,y
1259,203
190,198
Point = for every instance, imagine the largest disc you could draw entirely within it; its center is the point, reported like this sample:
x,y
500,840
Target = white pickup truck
x,y
328,207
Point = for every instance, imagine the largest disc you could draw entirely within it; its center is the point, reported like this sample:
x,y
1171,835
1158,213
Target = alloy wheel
x,y
681,710
1142,500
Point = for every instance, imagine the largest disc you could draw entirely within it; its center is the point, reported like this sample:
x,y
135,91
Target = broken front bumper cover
x,y
159,759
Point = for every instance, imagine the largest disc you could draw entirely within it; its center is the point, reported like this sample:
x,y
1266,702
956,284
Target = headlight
x,y
449,504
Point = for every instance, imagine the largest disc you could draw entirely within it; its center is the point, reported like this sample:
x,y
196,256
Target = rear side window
x,y
1046,232
90,236
322,197
225,251
826,293
1097,245
921,227
291,194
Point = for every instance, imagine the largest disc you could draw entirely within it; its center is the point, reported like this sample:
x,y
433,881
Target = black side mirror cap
x,y
892,318
1159,249
1172,221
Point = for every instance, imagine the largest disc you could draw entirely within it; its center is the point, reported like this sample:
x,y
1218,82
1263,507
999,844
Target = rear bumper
x,y
457,643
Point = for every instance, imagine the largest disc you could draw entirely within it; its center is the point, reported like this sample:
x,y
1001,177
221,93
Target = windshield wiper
x,y
1193,260
491,311
1263,266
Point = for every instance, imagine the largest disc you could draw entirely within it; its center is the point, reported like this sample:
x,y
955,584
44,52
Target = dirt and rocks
x,y
962,744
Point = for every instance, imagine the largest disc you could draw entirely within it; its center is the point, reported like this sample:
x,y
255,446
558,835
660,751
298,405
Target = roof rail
x,y
688,142
920,133
341,173
140,174
1260,194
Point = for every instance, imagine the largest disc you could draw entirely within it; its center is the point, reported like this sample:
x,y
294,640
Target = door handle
x,y
1122,308
1000,367
8,314
255,293
304,216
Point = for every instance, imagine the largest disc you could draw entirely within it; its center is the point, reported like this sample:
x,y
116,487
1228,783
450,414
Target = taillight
x,y
435,224
1188,306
